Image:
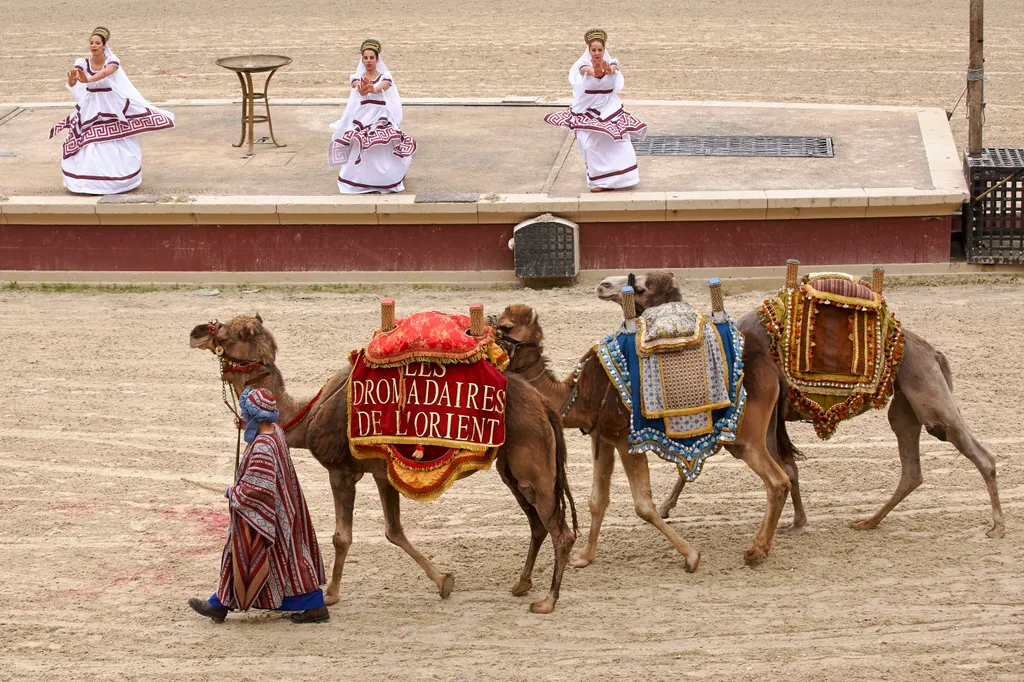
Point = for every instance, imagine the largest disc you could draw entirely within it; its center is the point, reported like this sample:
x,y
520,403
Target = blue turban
x,y
257,405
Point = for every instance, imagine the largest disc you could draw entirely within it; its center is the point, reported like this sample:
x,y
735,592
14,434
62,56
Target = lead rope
x,y
234,410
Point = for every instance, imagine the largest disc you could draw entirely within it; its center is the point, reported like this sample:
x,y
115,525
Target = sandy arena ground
x,y
912,52
105,407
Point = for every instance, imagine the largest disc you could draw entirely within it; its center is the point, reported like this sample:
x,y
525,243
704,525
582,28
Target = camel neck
x,y
556,391
288,408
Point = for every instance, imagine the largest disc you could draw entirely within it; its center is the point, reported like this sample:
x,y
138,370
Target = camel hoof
x,y
522,587
331,599
447,585
663,512
543,606
997,531
580,562
691,565
864,524
792,530
754,556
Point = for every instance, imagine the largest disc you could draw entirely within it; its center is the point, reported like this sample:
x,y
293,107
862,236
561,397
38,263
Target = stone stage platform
x,y
888,196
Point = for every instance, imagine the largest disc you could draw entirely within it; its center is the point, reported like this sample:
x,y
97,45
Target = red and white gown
x,y
604,129
101,154
373,152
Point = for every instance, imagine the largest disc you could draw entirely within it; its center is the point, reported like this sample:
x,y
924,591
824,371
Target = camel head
x,y
649,289
519,333
244,346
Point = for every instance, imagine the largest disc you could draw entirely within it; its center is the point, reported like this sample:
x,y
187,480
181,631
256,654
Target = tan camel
x,y
597,409
531,462
923,396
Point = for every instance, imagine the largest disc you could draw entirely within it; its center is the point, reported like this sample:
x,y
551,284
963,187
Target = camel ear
x,y
533,317
259,319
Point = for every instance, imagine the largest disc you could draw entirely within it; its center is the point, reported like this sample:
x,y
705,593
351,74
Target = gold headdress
x,y
370,44
102,32
595,34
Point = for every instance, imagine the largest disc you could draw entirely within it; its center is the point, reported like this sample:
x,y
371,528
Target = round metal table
x,y
244,66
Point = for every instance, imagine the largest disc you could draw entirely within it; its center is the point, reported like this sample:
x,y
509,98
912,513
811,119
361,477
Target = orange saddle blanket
x,y
838,344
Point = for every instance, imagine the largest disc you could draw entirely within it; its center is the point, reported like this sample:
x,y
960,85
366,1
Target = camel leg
x,y
639,476
973,449
907,428
670,501
600,491
936,410
390,502
537,531
776,484
538,488
343,487
799,524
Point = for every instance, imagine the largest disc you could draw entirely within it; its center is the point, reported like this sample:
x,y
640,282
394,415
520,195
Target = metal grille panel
x,y
770,146
546,249
994,222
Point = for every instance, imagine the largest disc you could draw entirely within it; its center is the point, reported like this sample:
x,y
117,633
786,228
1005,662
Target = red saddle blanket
x,y
431,402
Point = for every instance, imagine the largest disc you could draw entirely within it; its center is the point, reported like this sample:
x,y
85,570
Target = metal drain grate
x,y
998,157
684,145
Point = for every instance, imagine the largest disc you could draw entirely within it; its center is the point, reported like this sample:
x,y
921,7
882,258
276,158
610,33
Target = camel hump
x,y
843,287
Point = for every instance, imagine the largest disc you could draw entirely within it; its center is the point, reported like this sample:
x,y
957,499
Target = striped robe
x,y
271,551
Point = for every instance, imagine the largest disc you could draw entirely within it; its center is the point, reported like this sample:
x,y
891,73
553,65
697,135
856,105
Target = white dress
x,y
374,154
604,129
100,153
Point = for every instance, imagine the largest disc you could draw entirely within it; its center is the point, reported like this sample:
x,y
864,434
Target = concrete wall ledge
x,y
402,209
734,279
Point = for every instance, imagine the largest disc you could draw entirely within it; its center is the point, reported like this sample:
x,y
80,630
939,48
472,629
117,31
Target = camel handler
x,y
271,559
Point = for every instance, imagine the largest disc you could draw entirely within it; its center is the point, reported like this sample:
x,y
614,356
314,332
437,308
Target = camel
x,y
531,462
594,407
922,397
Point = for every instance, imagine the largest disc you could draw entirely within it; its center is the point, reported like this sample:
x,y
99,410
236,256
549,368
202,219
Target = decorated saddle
x,y
681,376
837,343
428,396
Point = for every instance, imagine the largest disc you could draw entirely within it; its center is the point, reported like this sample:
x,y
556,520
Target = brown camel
x,y
597,409
923,396
531,462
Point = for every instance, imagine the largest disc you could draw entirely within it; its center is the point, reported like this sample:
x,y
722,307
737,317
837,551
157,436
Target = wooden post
x,y
387,314
976,79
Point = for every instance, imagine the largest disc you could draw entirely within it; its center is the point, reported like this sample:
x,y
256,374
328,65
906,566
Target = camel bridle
x,y
512,347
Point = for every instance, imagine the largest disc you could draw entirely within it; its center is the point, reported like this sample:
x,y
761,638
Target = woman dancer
x,y
367,143
603,128
101,154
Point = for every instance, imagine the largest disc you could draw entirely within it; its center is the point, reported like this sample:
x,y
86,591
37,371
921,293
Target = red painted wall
x,y
281,248
742,243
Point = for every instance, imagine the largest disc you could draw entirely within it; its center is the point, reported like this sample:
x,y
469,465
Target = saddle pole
x,y
877,279
717,300
476,319
792,272
629,308
387,314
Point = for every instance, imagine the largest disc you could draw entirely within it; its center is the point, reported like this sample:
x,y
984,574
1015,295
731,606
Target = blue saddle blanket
x,y
650,430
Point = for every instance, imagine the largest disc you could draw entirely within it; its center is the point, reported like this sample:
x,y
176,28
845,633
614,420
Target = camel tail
x,y
783,444
947,371
561,477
